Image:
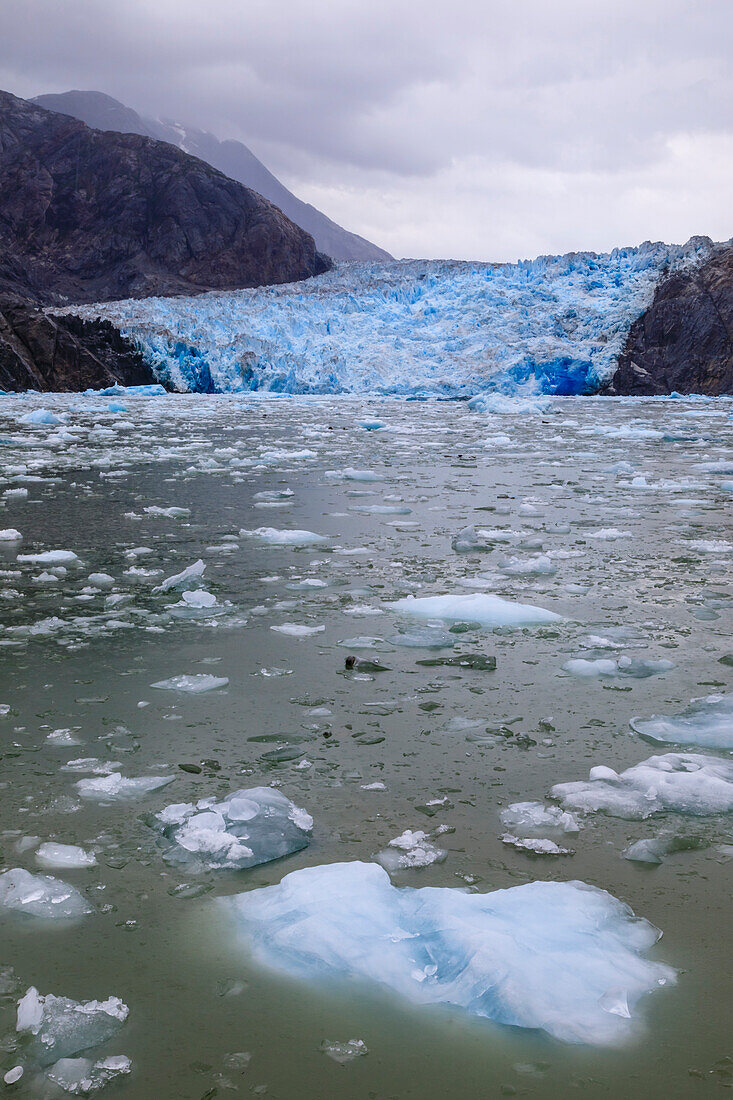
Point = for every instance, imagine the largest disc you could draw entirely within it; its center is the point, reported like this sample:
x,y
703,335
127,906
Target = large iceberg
x,y
249,827
707,722
685,783
563,957
553,325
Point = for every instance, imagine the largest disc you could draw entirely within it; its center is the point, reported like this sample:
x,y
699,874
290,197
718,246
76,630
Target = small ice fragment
x,y
9,534
185,579
53,855
344,1052
274,537
410,850
297,630
194,685
115,787
60,1027
707,722
50,557
248,827
480,607
41,896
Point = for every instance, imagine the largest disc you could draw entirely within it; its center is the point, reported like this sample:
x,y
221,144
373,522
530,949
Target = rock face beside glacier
x,y
684,341
90,216
38,352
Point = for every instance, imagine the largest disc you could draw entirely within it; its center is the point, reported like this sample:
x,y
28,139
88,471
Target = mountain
x,y
230,157
89,216
684,341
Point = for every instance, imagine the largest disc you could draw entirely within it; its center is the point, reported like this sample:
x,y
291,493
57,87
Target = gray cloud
x,y
453,127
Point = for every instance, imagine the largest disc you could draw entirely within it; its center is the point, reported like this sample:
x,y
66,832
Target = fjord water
x,y
613,514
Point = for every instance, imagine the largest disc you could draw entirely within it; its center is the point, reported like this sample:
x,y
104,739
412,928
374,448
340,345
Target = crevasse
x,y
553,325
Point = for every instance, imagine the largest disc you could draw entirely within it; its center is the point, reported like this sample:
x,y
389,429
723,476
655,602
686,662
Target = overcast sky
x,y
477,129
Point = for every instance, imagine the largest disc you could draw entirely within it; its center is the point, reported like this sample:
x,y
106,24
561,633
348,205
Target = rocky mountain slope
x,y
684,341
230,157
93,216
38,352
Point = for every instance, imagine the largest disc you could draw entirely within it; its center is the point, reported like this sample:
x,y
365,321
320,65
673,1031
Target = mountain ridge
x,y
233,158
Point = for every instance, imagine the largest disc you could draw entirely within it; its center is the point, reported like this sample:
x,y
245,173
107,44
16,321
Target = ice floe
x,y
409,850
195,684
480,607
54,856
58,1027
118,788
41,896
707,722
563,957
684,783
251,826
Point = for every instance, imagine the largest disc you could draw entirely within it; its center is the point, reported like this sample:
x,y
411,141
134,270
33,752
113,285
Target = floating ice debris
x,y
13,1075
350,474
114,787
559,956
707,722
371,425
167,513
58,1027
39,416
624,666
297,630
500,405
344,1052
80,1076
676,782
477,607
654,849
64,855
50,557
429,637
101,580
194,685
411,849
246,828
710,546
539,566
538,846
198,598
10,534
274,537
41,896
535,816
186,579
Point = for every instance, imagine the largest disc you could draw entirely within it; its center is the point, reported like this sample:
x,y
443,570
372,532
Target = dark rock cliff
x,y
38,352
91,216
684,340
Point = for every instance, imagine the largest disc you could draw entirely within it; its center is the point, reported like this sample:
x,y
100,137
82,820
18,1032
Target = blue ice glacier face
x,y
553,325
563,957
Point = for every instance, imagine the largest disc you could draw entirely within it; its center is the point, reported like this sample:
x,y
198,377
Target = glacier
x,y
453,329
563,957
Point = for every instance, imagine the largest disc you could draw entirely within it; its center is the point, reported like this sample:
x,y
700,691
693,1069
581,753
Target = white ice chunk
x,y
676,782
115,787
543,955
41,896
535,816
185,579
707,722
54,855
10,534
59,1027
193,685
538,846
410,849
480,607
80,1076
50,557
297,630
249,827
273,537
